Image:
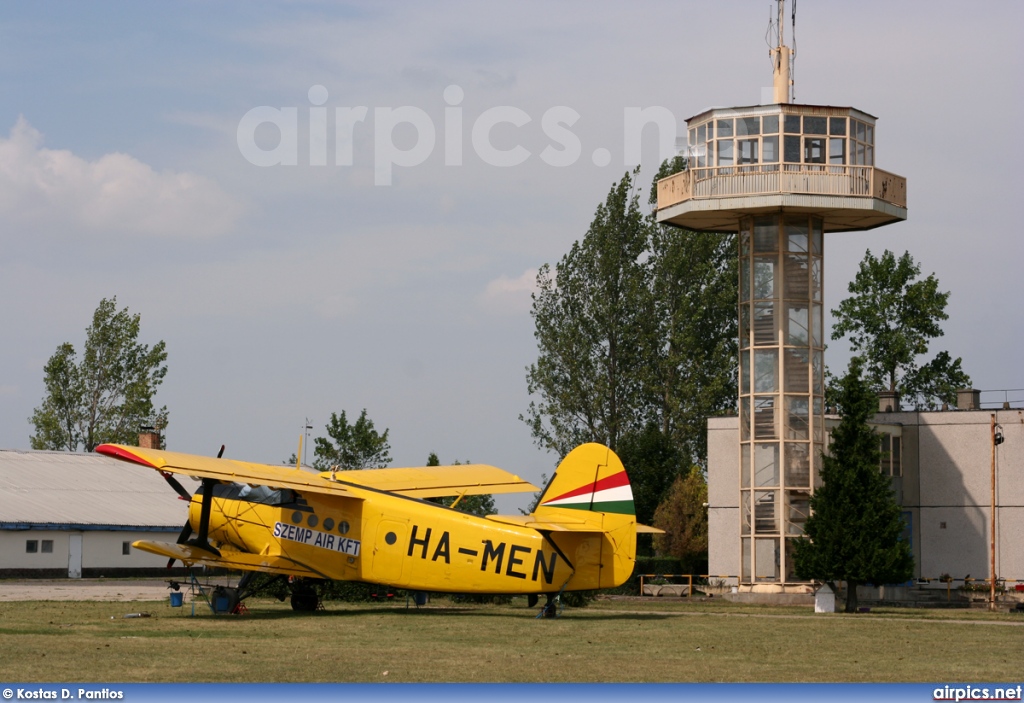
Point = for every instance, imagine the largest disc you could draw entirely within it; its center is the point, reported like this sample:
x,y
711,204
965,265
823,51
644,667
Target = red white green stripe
x,y
611,494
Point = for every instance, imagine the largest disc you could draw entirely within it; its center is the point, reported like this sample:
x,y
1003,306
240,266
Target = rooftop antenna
x,y
782,58
793,57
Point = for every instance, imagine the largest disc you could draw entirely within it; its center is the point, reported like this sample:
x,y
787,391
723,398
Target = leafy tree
x,y
890,318
107,395
691,359
351,446
653,463
854,531
636,337
684,517
481,505
591,319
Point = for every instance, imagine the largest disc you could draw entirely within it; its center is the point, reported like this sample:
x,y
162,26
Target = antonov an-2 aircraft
x,y
375,526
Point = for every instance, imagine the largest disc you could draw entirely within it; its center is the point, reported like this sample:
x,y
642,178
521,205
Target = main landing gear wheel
x,y
304,597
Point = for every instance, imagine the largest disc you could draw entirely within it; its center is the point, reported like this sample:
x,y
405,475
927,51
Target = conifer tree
x,y
855,525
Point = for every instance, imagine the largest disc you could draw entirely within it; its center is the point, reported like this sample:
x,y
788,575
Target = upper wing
x,y
435,481
226,469
425,482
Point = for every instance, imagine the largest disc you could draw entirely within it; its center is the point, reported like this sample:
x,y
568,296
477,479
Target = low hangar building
x,y
75,515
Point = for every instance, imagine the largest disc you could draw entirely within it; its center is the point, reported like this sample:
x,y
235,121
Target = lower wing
x,y
228,560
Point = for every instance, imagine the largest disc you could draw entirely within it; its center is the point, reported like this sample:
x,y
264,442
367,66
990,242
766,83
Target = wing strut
x,y
202,539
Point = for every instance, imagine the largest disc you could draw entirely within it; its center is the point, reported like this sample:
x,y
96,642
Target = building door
x,y
75,556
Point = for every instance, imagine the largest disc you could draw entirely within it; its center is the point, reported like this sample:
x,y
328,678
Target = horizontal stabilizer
x,y
192,555
564,523
437,481
551,524
647,529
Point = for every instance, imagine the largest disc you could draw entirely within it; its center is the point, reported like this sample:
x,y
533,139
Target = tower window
x,y
747,151
814,150
836,151
792,149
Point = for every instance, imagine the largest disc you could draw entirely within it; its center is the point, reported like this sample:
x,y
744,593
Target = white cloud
x,y
510,295
53,190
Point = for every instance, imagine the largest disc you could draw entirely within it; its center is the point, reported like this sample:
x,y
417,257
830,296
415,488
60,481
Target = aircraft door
x,y
389,558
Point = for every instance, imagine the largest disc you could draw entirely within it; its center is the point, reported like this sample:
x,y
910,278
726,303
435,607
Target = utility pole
x,y
997,439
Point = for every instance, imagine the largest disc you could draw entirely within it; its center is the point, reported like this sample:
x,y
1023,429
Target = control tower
x,y
780,176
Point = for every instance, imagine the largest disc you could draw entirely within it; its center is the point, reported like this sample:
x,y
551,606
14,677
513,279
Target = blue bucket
x,y
177,599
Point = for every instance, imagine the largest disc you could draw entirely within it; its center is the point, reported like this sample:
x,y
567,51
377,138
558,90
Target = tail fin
x,y
590,478
590,501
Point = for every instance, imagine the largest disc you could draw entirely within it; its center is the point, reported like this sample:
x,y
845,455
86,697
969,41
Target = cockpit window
x,y
252,494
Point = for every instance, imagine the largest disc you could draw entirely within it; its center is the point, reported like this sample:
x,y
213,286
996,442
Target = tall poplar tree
x,y
691,359
108,394
593,316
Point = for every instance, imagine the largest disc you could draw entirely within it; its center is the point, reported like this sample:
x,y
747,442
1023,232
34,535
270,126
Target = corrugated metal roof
x,y
63,488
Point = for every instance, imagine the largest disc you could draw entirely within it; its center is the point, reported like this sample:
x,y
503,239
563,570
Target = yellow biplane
x,y
375,525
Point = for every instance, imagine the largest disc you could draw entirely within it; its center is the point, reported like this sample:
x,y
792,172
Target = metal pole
x,y
992,524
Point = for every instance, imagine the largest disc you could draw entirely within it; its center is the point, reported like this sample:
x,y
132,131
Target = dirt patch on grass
x,y
84,590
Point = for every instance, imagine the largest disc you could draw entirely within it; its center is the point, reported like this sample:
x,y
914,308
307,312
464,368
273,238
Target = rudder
x,y
591,487
591,478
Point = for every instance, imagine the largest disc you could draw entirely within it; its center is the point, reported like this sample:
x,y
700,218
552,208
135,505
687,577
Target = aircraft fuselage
x,y
408,543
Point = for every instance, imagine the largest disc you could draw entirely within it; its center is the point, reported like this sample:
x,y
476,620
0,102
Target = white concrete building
x,y
74,515
941,468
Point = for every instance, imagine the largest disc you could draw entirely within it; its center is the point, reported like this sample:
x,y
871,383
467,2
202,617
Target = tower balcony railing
x,y
769,179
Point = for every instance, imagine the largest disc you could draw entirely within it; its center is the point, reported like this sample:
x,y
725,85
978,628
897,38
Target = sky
x,y
324,207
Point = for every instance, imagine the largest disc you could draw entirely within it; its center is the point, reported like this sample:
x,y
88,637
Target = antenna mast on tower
x,y
782,57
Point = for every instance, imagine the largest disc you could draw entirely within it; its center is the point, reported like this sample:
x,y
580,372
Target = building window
x,y
126,548
31,546
891,450
47,546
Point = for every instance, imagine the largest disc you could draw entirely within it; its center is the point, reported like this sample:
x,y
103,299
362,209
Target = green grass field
x,y
610,641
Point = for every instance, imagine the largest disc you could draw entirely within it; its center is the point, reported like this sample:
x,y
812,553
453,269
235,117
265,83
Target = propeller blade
x,y
186,532
179,489
221,452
